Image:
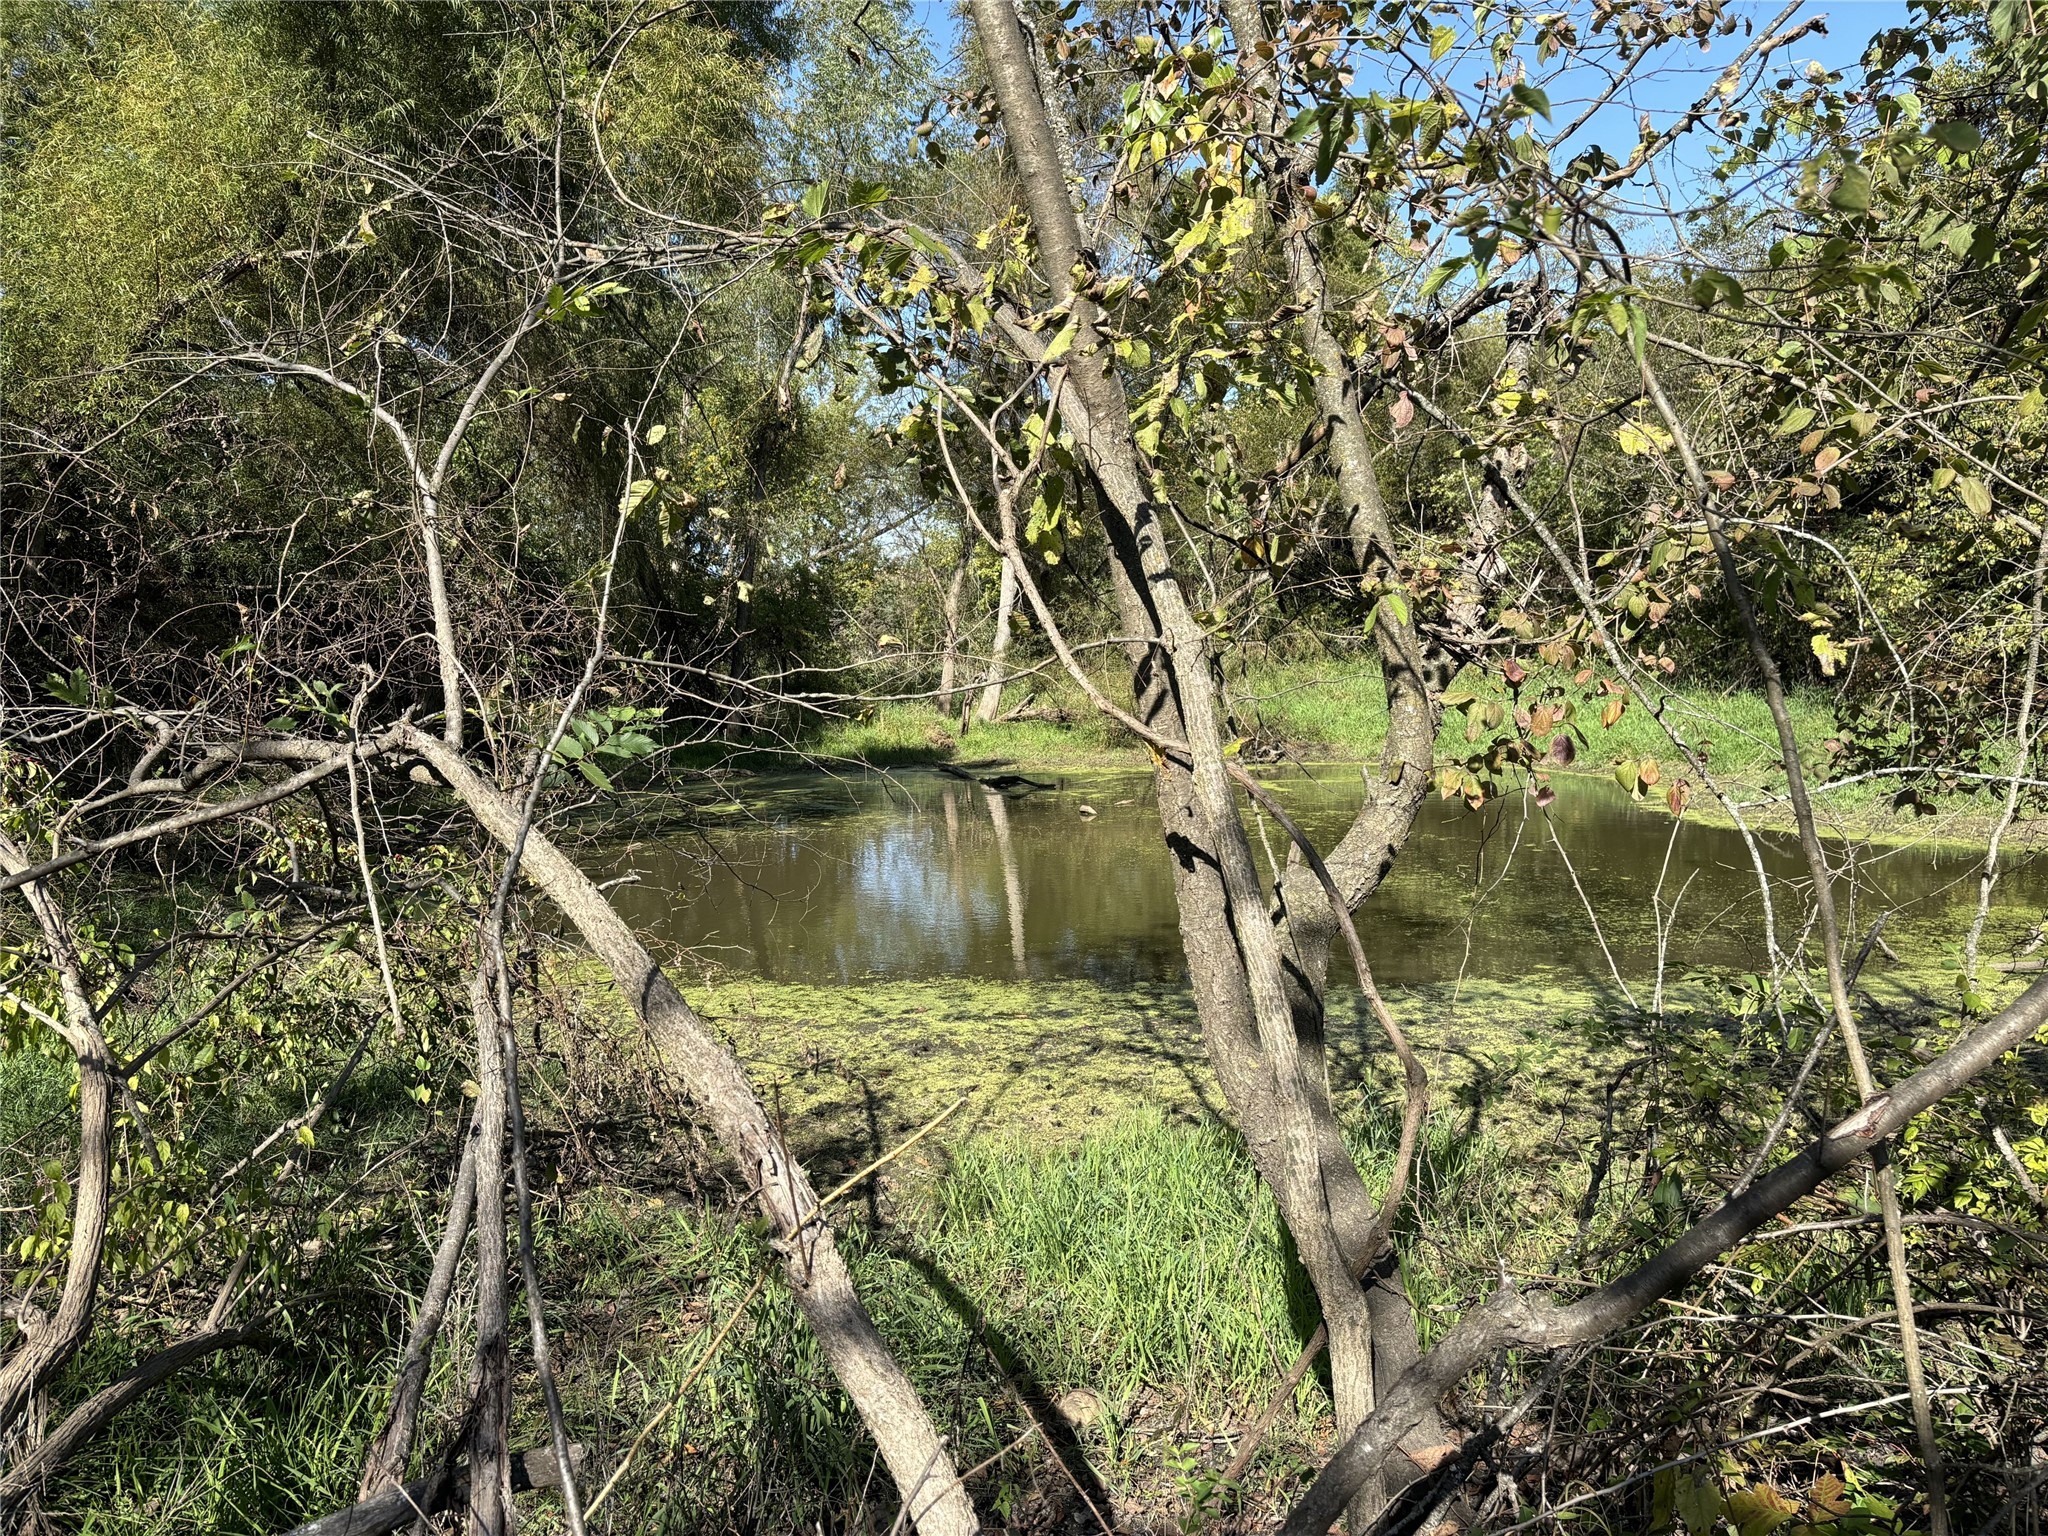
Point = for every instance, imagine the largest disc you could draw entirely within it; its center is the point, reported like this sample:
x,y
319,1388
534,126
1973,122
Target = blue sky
x,y
1660,93
1682,74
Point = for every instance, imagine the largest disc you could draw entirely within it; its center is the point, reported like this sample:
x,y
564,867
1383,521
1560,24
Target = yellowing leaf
x,y
1829,652
1760,1510
1975,493
1194,235
1643,439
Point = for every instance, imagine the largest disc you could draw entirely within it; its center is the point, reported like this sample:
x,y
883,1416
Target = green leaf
x,y
1975,493
1395,605
814,201
1057,347
1699,1504
656,433
1851,193
1335,137
1959,136
1441,41
595,774
1531,99
1305,123
1443,274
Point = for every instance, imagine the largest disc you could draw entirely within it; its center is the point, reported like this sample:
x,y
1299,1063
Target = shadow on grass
x,y
1053,1425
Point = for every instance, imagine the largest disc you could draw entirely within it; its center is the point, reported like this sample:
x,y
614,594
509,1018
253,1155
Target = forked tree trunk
x,y
1235,962
1361,1353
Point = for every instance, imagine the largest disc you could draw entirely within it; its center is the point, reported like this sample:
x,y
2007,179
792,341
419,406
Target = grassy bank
x,y
1336,712
1318,711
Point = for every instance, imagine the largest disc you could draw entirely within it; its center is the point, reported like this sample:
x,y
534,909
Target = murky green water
x,y
918,875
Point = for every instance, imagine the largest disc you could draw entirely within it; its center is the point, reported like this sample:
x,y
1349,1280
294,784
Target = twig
x,y
846,1185
682,1391
2019,1168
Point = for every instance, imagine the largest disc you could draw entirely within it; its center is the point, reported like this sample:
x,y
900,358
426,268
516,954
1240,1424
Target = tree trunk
x,y
999,649
490,1412
391,1452
1394,794
49,1344
1234,958
949,609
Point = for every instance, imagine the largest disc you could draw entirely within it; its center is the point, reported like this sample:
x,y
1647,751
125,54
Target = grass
x,y
1145,1264
1130,1251
1335,710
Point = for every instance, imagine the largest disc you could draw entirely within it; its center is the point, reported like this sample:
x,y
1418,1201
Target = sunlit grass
x,y
1332,708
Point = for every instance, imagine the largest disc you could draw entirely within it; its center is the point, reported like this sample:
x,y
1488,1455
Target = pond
x,y
916,874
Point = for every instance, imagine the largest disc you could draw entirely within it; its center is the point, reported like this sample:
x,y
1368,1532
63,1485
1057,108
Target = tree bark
x,y
999,648
1394,795
49,1344
490,1409
949,609
391,1452
1234,957
889,1405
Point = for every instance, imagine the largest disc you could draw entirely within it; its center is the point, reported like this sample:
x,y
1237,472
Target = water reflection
x,y
918,875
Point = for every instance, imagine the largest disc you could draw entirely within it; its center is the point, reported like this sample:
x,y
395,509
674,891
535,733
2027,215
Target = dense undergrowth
x,y
1120,1284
